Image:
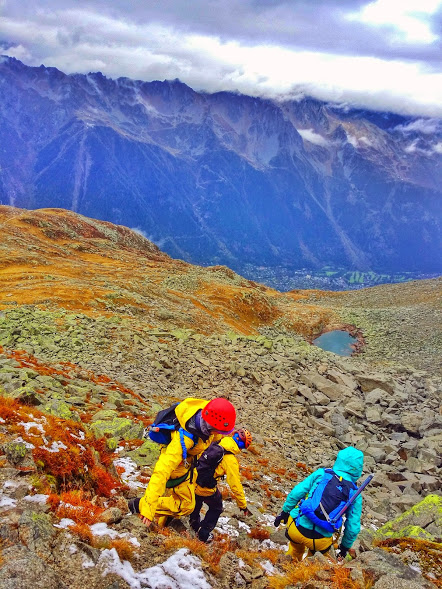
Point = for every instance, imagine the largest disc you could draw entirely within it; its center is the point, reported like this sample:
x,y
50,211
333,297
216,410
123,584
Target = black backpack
x,y
164,424
207,463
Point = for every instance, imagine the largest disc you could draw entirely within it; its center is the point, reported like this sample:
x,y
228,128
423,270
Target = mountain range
x,y
225,178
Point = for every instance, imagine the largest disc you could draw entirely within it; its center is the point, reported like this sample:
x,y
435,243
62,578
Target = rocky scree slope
x,y
81,377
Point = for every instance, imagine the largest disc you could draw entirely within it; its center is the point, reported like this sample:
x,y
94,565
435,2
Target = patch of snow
x,y
65,523
267,478
56,447
267,519
88,563
38,498
225,528
72,549
30,424
268,567
268,544
239,581
129,476
11,484
243,526
182,570
102,529
2,420
6,501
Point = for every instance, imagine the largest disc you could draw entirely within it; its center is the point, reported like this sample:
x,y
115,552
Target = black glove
x,y
246,512
342,551
282,517
134,505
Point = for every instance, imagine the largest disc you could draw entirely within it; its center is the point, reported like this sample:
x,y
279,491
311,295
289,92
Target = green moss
x,y
412,523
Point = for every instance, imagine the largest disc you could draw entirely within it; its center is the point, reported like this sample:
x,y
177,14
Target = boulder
x,y
375,396
22,569
392,582
118,427
36,531
411,422
333,391
18,454
378,563
414,523
146,455
368,382
60,409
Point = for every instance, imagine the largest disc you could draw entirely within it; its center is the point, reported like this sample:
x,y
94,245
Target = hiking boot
x,y
206,539
134,505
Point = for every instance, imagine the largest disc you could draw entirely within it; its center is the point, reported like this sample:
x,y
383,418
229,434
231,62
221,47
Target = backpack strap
x,y
183,433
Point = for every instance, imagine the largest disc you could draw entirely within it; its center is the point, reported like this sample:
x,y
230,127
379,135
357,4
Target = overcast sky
x,y
383,54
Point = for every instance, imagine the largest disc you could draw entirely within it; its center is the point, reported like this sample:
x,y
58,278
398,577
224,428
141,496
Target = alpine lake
x,y
337,341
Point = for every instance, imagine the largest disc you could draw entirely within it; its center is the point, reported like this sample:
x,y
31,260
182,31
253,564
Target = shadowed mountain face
x,y
224,178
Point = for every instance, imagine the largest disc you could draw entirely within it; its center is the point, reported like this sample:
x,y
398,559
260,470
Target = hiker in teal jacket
x,y
303,533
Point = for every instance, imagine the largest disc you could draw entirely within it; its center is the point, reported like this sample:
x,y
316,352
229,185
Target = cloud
x,y
425,126
312,137
358,142
407,20
329,49
428,151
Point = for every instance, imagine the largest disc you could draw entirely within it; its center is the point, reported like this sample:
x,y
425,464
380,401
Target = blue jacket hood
x,y
349,461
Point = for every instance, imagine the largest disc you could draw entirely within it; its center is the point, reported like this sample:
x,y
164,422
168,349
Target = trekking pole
x,y
352,499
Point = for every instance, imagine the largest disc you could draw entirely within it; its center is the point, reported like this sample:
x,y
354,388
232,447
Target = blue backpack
x,y
164,424
327,500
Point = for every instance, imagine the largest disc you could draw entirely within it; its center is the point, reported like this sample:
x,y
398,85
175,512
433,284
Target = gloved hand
x,y
342,551
246,512
282,517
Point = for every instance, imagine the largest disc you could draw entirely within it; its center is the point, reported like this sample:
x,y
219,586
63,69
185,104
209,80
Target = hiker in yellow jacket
x,y
203,420
217,460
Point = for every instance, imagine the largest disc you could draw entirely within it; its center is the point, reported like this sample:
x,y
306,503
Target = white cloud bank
x,y
312,137
104,37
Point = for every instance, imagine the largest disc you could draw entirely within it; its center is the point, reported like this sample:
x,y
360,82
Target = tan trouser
x,y
181,501
298,542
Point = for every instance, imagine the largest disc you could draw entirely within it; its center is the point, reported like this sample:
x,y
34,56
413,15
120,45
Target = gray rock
x,y
375,396
322,426
368,382
373,414
392,582
378,563
16,452
411,422
23,569
332,390
36,530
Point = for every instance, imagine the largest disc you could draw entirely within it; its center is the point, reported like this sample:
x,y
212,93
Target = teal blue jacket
x,y
349,464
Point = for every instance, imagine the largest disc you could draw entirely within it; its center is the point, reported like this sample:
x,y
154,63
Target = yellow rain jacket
x,y
170,464
228,466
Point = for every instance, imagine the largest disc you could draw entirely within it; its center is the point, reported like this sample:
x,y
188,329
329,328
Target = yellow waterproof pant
x,y
298,542
180,501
